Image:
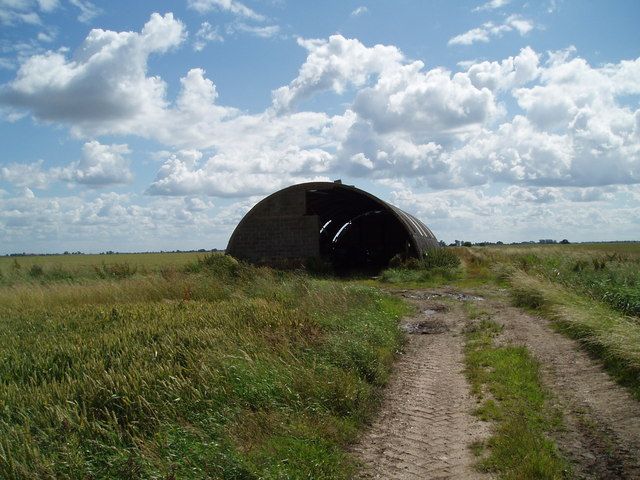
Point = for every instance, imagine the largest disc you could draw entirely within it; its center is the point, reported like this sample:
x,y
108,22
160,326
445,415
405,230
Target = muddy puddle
x,y
463,297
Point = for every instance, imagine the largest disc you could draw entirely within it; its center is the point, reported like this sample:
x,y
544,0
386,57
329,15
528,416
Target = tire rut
x,y
602,419
425,425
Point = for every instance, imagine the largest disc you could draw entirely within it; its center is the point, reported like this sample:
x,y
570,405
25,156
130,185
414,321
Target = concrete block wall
x,y
286,203
268,238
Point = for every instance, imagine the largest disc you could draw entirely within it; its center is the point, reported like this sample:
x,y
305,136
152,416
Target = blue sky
x,y
139,126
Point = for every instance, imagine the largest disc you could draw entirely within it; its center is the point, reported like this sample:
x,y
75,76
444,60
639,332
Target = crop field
x,y
76,268
185,365
207,369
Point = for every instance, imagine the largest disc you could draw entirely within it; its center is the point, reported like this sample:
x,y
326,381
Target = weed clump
x,y
437,263
36,271
525,297
115,270
579,266
215,264
528,261
58,273
432,258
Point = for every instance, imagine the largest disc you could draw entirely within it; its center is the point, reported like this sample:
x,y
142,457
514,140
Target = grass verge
x,y
506,381
607,334
218,370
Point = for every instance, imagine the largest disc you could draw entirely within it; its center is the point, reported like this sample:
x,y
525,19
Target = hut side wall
x,y
267,239
278,229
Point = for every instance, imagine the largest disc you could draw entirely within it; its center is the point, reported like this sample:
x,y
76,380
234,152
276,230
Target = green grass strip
x,y
506,380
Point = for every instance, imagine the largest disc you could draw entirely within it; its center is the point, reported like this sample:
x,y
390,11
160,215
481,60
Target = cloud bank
x,y
442,142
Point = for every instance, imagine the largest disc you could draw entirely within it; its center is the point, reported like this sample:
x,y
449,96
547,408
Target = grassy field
x,y
78,268
195,366
196,369
609,275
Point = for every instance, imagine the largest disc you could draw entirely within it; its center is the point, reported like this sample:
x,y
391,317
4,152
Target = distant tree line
x,y
545,241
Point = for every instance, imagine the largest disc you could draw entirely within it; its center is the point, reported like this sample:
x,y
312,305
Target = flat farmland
x,y
497,361
185,366
87,262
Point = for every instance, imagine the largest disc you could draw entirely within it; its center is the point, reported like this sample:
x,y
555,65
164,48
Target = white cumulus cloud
x,y
231,6
100,165
335,64
25,174
507,74
489,30
423,102
104,82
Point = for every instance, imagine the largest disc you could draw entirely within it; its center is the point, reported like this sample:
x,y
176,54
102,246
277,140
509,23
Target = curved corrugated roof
x,y
335,201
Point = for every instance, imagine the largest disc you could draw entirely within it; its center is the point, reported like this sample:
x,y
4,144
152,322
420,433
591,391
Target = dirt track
x,y
425,425
603,421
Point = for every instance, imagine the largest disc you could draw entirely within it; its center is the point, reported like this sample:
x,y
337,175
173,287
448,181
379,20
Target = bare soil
x,y
425,425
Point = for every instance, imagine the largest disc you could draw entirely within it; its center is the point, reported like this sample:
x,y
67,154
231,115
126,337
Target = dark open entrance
x,y
356,232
